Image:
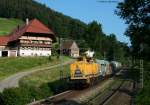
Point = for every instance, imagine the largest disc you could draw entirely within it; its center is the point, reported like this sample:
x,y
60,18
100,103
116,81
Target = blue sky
x,y
89,10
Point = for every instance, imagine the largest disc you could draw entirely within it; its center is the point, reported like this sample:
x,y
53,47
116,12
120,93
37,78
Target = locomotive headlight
x,y
77,73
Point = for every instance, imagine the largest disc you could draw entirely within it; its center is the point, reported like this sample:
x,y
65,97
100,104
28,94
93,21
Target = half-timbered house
x,y
31,39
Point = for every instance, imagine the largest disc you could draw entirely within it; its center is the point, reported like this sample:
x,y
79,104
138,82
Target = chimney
x,y
27,21
18,28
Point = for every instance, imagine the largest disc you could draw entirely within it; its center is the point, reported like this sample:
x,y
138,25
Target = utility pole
x,y
141,66
104,55
61,72
141,73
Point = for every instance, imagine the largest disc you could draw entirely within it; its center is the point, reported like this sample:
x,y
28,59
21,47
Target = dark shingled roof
x,y
66,44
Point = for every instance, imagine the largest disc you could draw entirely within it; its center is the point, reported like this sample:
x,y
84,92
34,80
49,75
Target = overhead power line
x,y
108,1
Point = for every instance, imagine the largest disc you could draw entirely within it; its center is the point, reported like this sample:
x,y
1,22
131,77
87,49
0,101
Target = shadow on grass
x,y
59,86
61,102
129,74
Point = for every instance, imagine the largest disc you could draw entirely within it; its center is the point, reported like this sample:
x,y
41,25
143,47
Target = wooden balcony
x,y
35,38
35,48
35,45
36,42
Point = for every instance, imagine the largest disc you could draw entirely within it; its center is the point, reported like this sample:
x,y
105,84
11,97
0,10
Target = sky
x,y
89,10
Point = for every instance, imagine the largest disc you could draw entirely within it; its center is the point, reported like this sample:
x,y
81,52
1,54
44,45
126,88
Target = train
x,y
87,71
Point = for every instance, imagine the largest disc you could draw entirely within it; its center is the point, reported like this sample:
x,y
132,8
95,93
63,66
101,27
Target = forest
x,y
136,13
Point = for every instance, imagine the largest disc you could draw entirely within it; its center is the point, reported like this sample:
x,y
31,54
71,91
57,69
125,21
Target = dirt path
x,y
13,80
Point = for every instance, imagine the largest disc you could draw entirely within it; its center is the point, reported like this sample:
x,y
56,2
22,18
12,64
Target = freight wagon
x,y
105,68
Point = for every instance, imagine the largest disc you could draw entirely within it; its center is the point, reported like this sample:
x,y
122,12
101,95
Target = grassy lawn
x,y
42,77
7,25
36,86
9,66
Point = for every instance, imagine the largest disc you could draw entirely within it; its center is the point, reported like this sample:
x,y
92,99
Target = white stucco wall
x,y
34,52
75,50
1,49
0,53
75,55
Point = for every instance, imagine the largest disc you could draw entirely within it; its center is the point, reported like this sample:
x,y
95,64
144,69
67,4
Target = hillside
x,y
61,24
7,25
88,35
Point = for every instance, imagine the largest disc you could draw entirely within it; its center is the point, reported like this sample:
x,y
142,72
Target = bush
x,y
58,86
14,96
1,99
24,95
27,93
40,92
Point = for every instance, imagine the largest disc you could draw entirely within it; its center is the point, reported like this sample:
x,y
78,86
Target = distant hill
x,y
7,25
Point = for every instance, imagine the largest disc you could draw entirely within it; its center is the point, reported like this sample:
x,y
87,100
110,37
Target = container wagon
x,y
105,68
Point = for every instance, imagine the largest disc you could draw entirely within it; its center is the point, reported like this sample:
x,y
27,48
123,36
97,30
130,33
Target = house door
x,y
13,53
4,53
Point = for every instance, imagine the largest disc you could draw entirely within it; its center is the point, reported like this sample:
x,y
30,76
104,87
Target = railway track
x,y
54,99
118,94
112,94
102,97
72,97
122,95
101,94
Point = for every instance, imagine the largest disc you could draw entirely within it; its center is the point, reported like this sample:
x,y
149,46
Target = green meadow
x,y
9,66
8,25
43,77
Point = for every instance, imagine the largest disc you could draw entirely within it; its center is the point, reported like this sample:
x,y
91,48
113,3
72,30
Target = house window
x,y
36,48
29,48
39,48
40,42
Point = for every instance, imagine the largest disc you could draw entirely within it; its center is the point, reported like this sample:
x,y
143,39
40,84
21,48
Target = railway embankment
x,y
75,97
113,91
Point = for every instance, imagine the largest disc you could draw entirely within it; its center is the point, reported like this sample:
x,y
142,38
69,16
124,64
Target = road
x,y
13,80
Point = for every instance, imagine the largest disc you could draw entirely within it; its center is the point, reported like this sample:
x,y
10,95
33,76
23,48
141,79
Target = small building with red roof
x,y
31,39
